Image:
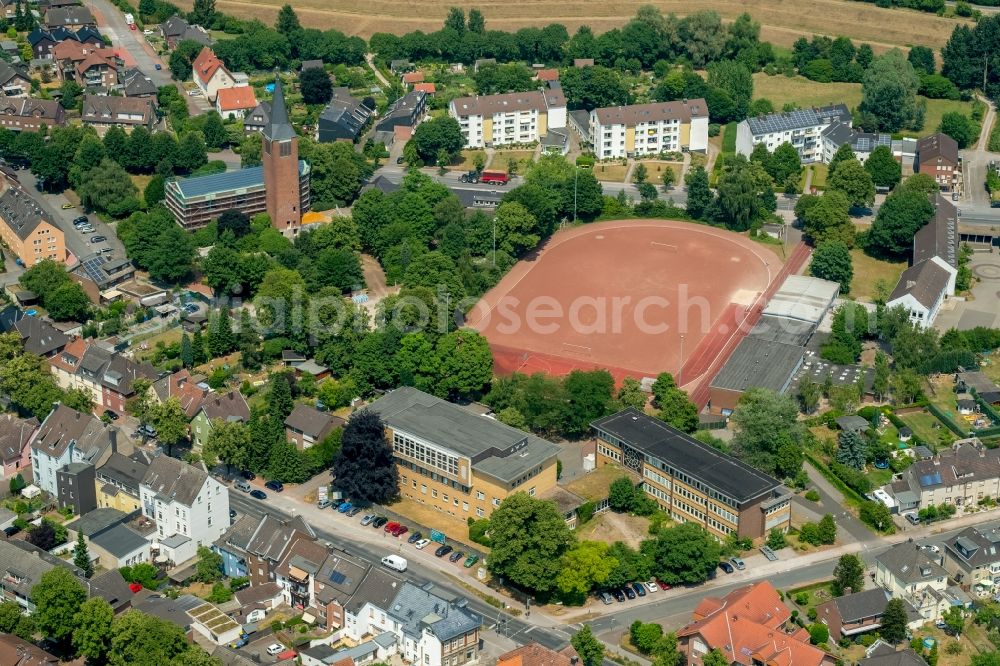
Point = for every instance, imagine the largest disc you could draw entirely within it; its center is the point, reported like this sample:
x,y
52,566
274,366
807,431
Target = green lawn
x,y
818,594
927,427
799,90
869,271
937,108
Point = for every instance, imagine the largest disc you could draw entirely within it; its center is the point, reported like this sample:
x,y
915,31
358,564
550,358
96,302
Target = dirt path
x,y
375,278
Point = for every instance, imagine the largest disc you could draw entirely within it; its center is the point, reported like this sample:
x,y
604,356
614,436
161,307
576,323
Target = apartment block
x,y
510,118
649,129
691,481
802,128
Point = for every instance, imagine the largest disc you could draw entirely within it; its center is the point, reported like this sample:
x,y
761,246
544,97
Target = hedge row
x,y
946,419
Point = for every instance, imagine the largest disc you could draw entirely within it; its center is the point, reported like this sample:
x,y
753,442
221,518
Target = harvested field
x,y
782,22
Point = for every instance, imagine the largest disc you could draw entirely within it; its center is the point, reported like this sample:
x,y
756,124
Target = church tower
x,y
280,158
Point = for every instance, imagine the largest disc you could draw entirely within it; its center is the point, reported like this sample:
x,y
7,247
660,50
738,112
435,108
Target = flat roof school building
x,y
197,201
458,462
691,481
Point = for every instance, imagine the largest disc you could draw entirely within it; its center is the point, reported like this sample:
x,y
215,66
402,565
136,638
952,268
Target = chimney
x,y
574,660
848,590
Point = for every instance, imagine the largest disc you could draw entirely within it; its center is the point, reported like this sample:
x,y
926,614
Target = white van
x,y
394,562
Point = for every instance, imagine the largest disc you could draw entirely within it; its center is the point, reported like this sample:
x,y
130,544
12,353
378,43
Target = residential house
x,y
459,462
862,143
266,597
75,483
176,30
255,547
235,102
378,649
231,406
649,129
18,652
134,83
428,88
307,426
857,613
117,481
908,572
311,64
888,656
429,628
972,557
937,156
691,481
64,364
405,112
962,476
73,17
980,384
39,337
102,112
111,587
67,436
109,376
43,41
750,626
257,120
25,228
190,508
27,114
111,542
509,118
15,445
534,654
211,75
183,387
102,66
99,273
22,567
14,82
344,118
97,72
410,78
298,572
803,128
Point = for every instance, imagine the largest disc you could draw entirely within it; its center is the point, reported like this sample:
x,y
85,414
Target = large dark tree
x,y
899,218
436,136
685,554
235,221
315,85
364,469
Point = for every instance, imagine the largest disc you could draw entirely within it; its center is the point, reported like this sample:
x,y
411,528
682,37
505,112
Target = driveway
x,y
975,198
832,501
131,44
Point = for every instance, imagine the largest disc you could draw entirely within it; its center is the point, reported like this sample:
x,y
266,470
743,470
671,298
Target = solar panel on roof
x,y
931,479
337,577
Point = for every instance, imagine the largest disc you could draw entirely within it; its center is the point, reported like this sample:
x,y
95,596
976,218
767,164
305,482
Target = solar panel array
x,y
337,577
798,119
866,143
94,268
932,479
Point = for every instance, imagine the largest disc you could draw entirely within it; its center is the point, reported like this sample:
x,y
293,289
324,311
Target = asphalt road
x,y
512,627
133,48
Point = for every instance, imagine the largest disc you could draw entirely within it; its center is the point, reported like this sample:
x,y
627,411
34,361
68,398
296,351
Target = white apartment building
x,y
649,129
802,128
510,118
68,436
190,507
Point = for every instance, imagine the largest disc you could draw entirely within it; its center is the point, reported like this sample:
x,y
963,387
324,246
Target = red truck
x,y
489,177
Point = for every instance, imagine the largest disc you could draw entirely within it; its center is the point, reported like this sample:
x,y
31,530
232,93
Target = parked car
x,y
98,239
258,494
400,531
81,220
629,592
146,431
110,414
379,522
618,595
470,561
67,206
345,507
11,530
367,519
913,518
456,556
354,511
738,563
275,648
249,476
726,566
390,526
158,66
652,586
663,586
415,537
232,513
442,550
639,588
606,598
276,486
324,504
421,544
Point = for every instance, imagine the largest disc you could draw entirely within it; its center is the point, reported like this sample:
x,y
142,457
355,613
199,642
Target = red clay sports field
x,y
619,295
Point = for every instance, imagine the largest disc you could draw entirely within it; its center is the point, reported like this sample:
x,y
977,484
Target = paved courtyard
x,y
983,306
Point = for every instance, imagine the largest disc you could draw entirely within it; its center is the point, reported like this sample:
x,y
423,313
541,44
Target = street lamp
x,y
680,372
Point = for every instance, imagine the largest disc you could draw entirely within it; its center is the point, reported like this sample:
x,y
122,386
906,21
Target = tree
x,y
287,21
685,554
853,180
776,539
954,618
209,566
922,59
214,131
715,657
92,629
228,442
364,468
529,539
888,92
155,190
43,536
646,636
768,435
81,556
849,574
898,219
960,127
466,364
516,229
588,647
279,395
315,85
12,621
808,394
589,395
827,530
675,406
894,620
631,394
668,178
138,639
68,303
108,188
832,261
170,422
433,136
593,87
818,633
221,340
621,494
735,80
883,167
57,597
584,566
852,449
203,13
191,152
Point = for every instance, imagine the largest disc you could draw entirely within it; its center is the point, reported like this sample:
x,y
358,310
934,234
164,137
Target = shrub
x,y
585,512
812,613
818,633
802,598
812,495
477,532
